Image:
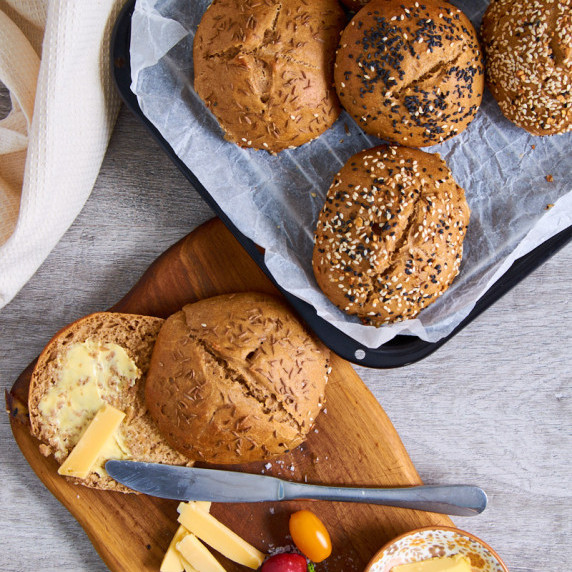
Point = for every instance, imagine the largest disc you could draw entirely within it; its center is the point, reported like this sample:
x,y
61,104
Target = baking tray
x,y
401,350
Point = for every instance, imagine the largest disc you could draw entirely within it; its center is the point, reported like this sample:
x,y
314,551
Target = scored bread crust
x,y
236,378
410,72
265,69
136,335
528,48
354,5
389,239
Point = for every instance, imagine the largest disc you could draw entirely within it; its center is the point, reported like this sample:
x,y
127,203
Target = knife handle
x,y
459,500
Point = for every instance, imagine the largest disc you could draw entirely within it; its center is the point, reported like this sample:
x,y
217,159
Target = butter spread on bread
x,y
100,359
90,371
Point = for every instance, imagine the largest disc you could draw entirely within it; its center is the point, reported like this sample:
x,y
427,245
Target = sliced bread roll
x,y
102,358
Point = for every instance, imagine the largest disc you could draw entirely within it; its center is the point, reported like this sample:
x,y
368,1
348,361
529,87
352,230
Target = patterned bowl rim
x,y
383,549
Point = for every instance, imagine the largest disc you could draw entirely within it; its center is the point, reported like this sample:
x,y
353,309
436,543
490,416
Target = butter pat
x,y
173,561
455,563
92,443
218,536
194,551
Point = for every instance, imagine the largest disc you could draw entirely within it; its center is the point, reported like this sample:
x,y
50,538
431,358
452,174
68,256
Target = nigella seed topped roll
x,y
410,72
389,239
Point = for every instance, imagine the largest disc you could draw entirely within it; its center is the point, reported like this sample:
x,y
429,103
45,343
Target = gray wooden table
x,y
491,407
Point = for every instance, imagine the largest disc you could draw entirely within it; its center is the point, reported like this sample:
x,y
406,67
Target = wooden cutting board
x,y
354,443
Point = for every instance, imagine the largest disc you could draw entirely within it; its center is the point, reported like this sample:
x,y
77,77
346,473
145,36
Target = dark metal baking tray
x,y
400,351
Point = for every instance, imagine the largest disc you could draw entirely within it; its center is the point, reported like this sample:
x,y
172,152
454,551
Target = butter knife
x,y
191,483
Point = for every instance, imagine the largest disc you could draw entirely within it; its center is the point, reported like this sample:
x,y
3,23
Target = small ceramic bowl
x,y
431,542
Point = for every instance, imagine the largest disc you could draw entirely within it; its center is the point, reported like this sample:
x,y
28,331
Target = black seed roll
x,y
410,72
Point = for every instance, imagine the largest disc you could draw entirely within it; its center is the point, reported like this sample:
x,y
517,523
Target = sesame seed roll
x,y
528,49
389,239
410,72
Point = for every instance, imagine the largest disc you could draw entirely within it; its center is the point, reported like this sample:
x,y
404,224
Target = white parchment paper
x,y
275,200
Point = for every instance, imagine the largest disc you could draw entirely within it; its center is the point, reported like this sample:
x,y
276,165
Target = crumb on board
x,y
549,178
549,206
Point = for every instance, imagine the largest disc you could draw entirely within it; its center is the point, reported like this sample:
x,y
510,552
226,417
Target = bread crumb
x,y
549,206
549,178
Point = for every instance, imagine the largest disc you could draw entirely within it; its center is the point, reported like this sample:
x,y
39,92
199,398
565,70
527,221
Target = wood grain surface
x,y
353,442
491,407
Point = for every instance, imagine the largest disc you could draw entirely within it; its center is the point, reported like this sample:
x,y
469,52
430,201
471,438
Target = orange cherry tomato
x,y
310,535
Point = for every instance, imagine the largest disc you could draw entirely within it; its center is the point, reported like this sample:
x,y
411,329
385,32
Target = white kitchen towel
x,y
54,61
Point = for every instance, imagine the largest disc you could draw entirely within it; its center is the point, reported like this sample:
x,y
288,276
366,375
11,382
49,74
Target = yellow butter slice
x,y
218,536
456,563
93,441
197,555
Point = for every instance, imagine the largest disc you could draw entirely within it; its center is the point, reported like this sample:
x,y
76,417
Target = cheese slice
x,y
172,561
88,449
455,563
198,555
187,566
218,536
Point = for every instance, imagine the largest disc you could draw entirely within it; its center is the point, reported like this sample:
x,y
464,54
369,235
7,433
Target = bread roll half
x,y
101,358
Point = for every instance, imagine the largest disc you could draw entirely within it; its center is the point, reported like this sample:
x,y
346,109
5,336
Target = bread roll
x,y
64,396
265,69
389,239
410,72
528,48
354,5
236,378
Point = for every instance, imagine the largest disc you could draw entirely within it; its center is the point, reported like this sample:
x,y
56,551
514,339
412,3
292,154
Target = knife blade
x,y
191,483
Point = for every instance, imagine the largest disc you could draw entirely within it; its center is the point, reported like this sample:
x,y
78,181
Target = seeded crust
x,y
354,5
265,69
528,48
236,378
137,335
410,72
389,239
